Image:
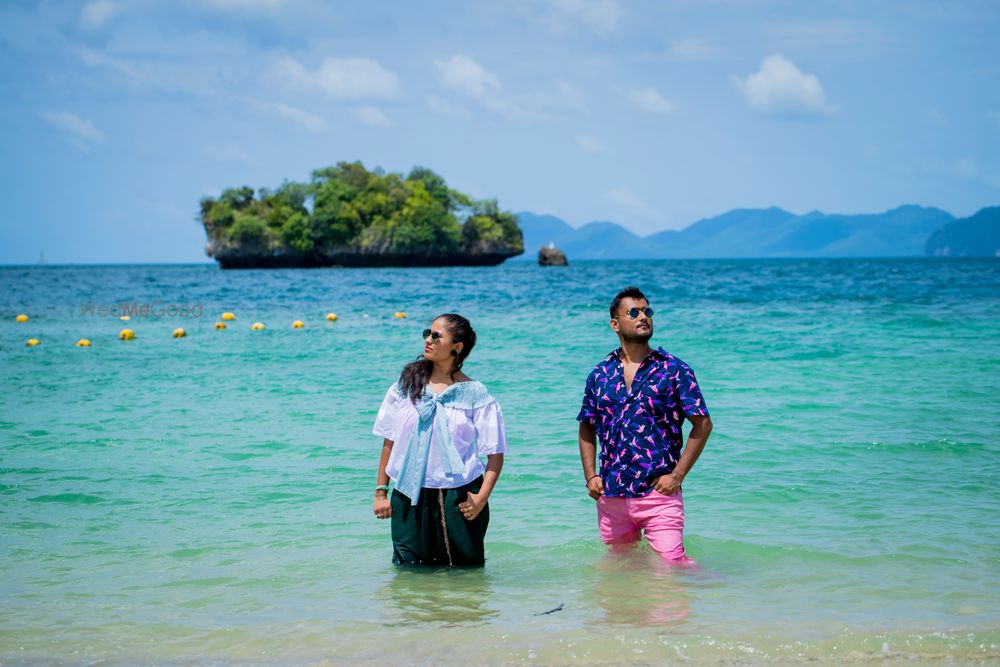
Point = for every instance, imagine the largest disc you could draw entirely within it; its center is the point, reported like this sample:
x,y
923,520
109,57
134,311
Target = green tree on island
x,y
349,216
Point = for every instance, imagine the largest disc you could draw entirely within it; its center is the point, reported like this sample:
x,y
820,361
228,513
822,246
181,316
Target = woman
x,y
436,423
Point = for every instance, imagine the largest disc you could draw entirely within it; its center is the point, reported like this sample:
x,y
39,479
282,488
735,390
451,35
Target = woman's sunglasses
x,y
634,312
435,335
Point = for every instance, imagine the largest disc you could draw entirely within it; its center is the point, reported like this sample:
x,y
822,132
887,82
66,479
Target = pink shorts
x,y
661,518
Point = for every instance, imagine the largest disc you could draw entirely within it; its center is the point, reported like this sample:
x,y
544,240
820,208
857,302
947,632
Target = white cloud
x,y
601,15
309,121
649,99
935,116
464,75
445,108
93,58
370,115
96,14
589,144
692,48
342,78
630,201
82,133
780,88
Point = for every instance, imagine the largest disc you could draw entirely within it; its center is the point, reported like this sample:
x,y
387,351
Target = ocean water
x,y
207,500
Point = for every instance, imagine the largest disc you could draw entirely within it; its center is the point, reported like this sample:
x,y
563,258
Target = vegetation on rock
x,y
347,215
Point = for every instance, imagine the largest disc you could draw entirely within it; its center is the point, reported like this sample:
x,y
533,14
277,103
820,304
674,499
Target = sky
x,y
118,116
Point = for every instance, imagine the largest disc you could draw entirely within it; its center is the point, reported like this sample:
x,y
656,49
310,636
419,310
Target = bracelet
x,y
592,477
382,487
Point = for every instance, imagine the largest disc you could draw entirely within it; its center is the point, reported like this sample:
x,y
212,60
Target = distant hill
x,y
975,236
771,232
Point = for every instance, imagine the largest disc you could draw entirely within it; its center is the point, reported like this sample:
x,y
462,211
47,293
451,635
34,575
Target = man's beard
x,y
638,336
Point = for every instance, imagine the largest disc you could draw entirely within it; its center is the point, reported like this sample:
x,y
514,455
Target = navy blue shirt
x,y
640,430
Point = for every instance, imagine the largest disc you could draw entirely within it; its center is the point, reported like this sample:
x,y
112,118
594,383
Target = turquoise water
x,y
207,499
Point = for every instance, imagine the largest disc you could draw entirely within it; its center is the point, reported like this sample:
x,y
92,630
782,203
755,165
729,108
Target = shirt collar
x,y
657,352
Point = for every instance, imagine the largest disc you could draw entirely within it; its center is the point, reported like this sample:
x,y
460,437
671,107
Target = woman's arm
x,y
494,464
382,508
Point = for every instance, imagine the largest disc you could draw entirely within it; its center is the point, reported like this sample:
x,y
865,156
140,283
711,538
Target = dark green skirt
x,y
434,532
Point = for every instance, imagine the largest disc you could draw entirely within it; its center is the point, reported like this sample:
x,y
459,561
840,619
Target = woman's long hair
x,y
415,375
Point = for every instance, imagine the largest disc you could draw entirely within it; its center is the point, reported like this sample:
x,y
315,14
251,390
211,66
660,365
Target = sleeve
x,y
588,408
385,422
491,435
689,393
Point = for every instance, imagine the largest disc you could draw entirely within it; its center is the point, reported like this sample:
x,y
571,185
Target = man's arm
x,y
588,456
701,427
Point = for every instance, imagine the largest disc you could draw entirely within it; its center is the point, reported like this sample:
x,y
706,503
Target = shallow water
x,y
208,499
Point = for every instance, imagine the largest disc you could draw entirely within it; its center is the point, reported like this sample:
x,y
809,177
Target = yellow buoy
x,y
124,318
257,326
228,316
21,318
127,334
298,324
400,315
220,325
83,342
179,332
331,317
32,342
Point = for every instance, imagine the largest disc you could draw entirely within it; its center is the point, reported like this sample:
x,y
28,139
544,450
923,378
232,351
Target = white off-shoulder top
x,y
475,432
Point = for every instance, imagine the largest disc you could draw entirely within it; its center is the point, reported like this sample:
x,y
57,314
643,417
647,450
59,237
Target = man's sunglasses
x,y
634,312
435,335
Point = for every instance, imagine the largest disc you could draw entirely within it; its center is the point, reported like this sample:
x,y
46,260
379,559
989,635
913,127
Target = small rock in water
x,y
551,256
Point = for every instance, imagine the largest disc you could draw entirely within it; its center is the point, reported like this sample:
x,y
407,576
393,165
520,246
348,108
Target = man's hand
x,y
595,487
668,485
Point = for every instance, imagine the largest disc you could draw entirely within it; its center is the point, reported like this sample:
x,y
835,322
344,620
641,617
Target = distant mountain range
x,y
907,231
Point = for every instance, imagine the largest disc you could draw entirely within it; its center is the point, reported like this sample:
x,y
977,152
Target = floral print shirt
x,y
640,430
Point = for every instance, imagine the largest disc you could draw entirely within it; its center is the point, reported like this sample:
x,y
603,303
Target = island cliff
x,y
349,216
975,236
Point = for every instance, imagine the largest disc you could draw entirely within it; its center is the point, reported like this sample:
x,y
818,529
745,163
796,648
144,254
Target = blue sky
x,y
119,115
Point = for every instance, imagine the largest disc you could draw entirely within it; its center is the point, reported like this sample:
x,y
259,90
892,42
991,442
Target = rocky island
x,y
975,236
349,216
550,255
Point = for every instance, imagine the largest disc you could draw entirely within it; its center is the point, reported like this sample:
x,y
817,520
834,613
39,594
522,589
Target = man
x,y
635,401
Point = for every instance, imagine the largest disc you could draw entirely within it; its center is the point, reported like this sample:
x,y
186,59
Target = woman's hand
x,y
473,505
383,510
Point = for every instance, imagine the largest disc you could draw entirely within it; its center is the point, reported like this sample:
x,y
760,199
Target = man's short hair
x,y
630,292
